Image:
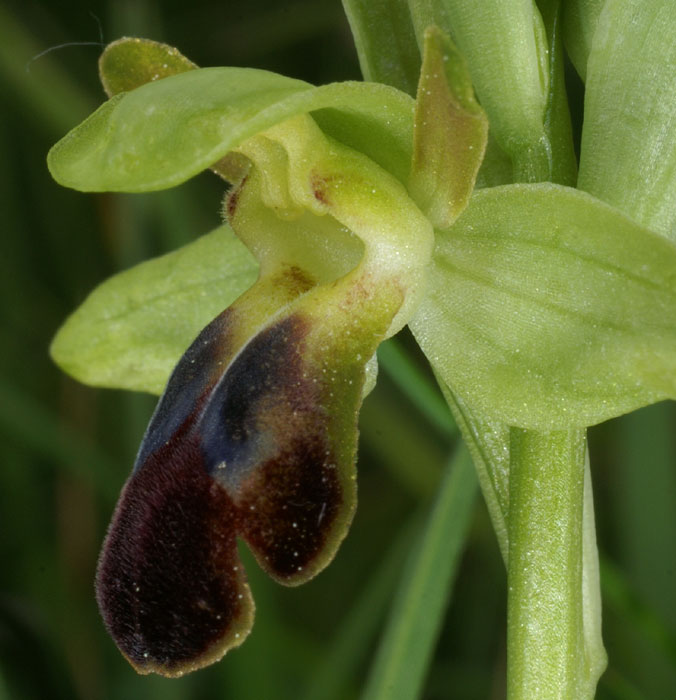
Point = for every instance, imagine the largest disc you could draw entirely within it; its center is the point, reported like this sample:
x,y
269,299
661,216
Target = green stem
x,y
545,634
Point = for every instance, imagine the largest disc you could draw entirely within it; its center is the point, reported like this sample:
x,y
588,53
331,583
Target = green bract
x,y
383,34
580,18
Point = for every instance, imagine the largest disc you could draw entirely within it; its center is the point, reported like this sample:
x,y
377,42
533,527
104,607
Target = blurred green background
x,y
67,449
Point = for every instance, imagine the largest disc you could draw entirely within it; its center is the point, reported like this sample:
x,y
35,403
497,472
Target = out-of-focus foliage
x,y
67,449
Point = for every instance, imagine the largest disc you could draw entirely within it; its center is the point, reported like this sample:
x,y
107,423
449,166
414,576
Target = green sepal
x,y
132,329
550,309
164,132
628,154
130,62
450,133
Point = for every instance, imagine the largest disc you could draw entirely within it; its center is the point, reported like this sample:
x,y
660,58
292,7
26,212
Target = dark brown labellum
x,y
238,446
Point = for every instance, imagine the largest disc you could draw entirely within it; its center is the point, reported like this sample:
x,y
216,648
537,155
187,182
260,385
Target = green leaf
x,y
416,385
167,131
628,156
132,329
450,133
548,309
418,609
385,42
504,44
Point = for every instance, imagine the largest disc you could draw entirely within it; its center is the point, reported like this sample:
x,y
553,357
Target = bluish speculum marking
x,y
249,413
193,376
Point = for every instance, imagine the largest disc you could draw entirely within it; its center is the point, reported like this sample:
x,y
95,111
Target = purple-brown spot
x,y
232,199
320,186
295,280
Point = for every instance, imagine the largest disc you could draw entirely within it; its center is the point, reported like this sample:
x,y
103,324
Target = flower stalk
x,y
546,655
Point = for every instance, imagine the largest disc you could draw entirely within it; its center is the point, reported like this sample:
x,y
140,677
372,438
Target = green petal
x,y
450,133
550,309
132,329
628,156
167,131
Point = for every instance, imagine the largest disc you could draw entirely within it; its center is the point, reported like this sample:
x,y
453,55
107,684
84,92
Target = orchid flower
x,y
352,212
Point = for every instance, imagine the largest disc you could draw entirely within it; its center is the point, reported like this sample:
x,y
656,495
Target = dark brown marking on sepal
x,y
170,585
